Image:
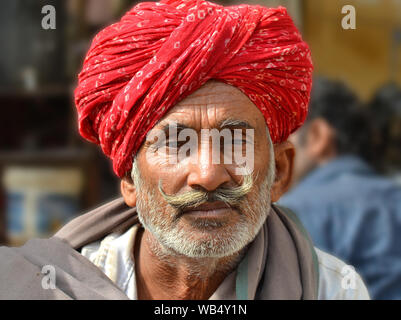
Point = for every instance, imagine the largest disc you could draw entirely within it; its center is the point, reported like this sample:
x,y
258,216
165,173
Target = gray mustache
x,y
231,196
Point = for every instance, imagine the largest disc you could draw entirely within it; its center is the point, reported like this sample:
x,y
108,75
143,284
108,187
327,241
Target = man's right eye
x,y
172,143
175,143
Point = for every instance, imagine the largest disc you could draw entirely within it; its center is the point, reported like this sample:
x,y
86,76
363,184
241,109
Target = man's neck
x,y
171,276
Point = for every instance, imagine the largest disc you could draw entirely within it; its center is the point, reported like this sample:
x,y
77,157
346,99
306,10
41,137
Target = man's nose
x,y
207,174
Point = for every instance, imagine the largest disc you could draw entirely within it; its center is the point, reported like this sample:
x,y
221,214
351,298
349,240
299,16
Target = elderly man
x,y
196,219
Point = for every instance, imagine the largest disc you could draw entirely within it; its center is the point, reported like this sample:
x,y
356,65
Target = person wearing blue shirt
x,y
349,210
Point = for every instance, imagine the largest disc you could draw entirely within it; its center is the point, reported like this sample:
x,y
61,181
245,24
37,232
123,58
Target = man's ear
x,y
284,154
128,191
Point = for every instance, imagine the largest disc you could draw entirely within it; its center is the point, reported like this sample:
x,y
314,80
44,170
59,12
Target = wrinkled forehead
x,y
213,105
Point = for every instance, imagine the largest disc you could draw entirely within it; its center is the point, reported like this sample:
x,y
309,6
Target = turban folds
x,y
160,52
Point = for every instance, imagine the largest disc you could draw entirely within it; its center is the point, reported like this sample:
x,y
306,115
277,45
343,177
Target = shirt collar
x,y
113,255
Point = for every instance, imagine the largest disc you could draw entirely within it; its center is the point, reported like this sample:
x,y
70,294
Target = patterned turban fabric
x,y
137,69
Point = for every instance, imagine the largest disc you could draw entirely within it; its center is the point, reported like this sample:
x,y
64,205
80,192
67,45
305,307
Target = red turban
x,y
160,52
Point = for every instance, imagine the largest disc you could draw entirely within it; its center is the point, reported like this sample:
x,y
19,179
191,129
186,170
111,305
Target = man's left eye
x,y
175,143
240,142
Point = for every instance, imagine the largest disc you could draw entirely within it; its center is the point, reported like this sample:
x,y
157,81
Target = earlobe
x,y
284,154
128,192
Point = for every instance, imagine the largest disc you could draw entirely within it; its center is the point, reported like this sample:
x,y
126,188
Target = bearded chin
x,y
174,239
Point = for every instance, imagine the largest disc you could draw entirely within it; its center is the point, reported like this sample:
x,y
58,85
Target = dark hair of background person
x,y
385,112
333,101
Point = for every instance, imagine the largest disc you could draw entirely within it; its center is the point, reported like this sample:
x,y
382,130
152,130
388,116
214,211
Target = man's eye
x,y
240,142
171,143
174,143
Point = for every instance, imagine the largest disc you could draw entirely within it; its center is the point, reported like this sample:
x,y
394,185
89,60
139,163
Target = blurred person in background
x,y
385,112
349,209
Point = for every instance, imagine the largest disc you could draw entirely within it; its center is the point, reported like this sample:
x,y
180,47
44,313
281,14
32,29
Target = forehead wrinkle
x,y
212,104
213,117
213,92
212,98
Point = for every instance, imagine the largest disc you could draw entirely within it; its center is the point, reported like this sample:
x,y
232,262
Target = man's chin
x,y
202,226
206,238
203,237
215,214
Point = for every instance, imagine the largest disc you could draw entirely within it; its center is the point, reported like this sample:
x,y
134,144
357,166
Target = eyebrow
x,y
166,127
226,123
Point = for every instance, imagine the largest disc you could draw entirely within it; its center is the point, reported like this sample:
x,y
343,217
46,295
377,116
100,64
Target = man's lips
x,y
209,210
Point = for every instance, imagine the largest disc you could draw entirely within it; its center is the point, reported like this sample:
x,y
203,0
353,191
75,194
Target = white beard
x,y
177,240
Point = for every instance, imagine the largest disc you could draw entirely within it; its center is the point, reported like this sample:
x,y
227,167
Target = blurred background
x,y
49,174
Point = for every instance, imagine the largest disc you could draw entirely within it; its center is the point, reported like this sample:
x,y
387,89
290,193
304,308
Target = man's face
x,y
303,163
230,207
315,145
